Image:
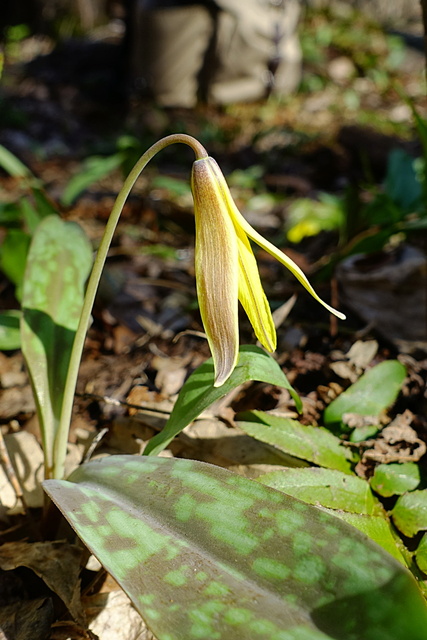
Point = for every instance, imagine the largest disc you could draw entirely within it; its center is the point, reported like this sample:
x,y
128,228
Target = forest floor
x,y
333,137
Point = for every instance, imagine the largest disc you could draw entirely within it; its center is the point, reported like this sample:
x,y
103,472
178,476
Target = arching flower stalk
x,y
226,270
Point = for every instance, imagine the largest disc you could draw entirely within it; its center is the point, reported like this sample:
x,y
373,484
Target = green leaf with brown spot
x,y
314,444
206,554
395,479
198,392
374,392
410,513
58,264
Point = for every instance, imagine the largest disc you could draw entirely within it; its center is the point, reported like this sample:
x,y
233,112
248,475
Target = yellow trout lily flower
x,y
226,270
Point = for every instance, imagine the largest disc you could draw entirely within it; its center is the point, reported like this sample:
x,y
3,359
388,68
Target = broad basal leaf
x,y
375,391
345,496
198,392
378,529
58,264
206,554
314,444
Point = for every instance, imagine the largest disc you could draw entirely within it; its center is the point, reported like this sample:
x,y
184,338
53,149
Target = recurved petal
x,y
216,265
252,296
239,221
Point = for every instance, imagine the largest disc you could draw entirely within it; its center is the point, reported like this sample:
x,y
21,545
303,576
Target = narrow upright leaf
x,y
58,264
206,554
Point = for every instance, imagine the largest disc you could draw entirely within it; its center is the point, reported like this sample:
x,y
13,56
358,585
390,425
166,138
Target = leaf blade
x,y
314,444
376,390
58,264
187,533
198,392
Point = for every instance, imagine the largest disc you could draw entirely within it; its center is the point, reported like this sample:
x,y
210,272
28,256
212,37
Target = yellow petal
x,y
290,264
240,222
216,264
252,296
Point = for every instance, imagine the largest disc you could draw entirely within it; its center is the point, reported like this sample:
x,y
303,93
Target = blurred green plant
x,y
366,220
344,32
19,220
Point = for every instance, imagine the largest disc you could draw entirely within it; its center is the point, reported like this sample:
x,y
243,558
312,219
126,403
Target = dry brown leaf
x,y
56,563
398,442
26,620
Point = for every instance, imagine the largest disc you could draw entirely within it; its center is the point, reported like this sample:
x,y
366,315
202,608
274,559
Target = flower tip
x,y
222,376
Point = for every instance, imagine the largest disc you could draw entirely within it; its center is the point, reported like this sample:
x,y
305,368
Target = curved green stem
x,y
60,445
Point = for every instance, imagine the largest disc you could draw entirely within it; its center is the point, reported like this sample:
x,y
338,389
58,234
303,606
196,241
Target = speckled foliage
x,y
206,554
58,263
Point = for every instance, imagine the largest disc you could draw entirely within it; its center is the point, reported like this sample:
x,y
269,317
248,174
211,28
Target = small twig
x,y
10,472
119,403
95,442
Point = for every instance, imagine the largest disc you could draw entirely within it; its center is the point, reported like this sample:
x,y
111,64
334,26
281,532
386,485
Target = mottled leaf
x,y
395,478
345,496
326,488
375,391
58,264
206,554
410,512
314,444
198,392
377,528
